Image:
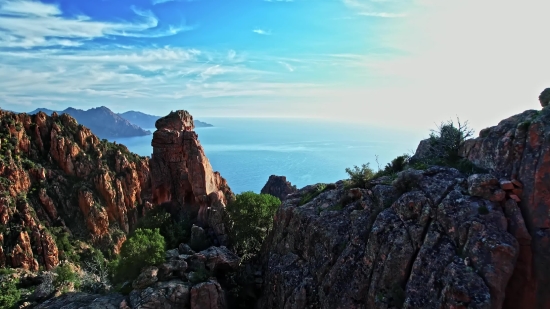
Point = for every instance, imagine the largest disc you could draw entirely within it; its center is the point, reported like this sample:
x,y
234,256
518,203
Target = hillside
x,y
148,121
102,121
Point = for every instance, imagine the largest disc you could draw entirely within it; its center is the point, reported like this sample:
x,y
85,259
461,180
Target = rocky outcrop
x,y
428,243
182,175
57,177
279,187
518,148
83,301
544,97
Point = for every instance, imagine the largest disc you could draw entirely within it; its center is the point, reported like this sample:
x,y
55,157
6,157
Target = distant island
x,y
107,124
148,121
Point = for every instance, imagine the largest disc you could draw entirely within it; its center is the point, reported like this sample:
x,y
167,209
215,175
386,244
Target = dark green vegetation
x,y
10,294
66,277
251,217
144,248
443,149
175,231
445,142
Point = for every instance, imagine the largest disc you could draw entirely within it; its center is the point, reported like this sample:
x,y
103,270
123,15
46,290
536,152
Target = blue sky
x,y
408,63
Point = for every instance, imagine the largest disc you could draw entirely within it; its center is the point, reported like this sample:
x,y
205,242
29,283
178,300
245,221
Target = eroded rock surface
x,y
518,148
433,246
182,175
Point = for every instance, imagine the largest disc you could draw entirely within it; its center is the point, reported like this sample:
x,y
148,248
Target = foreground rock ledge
x,y
434,246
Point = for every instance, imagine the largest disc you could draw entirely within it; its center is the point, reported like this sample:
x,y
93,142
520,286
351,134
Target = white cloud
x,y
382,14
378,8
231,54
287,66
261,31
27,24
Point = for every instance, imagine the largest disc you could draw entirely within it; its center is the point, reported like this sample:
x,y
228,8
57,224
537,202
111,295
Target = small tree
x,y
447,138
251,215
144,248
360,176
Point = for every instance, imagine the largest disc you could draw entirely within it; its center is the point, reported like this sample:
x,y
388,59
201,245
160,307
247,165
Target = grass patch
x,y
308,197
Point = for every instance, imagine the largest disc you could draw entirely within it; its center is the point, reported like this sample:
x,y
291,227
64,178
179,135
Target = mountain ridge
x,y
102,121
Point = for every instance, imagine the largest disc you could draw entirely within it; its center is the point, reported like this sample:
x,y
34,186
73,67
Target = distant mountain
x,y
148,121
102,121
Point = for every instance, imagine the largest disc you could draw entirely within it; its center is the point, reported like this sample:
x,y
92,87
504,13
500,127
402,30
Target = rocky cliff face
x,y
519,148
279,187
433,239
182,175
57,178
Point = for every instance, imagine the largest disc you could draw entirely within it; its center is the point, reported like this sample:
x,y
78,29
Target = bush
x,y
395,166
252,218
10,295
360,176
65,277
447,138
144,248
173,231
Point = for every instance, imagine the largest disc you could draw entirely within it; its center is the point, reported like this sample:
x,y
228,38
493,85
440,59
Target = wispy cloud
x,y
28,24
377,8
287,66
261,31
155,2
382,14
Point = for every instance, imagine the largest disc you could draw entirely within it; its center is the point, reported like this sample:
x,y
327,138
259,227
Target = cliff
x,y
182,175
519,148
59,179
433,238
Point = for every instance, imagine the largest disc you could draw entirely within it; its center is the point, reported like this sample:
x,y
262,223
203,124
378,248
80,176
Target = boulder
x,y
147,277
544,97
278,186
220,259
163,295
208,295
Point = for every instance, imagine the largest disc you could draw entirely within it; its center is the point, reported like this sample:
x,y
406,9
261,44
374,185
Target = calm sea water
x,y
246,151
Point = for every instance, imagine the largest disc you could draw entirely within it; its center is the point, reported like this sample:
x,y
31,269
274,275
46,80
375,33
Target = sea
x,y
246,151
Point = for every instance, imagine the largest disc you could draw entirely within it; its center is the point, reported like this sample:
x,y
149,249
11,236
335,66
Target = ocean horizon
x,y
246,151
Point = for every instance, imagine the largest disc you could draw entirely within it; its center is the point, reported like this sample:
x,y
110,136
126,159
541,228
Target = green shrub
x,y
360,176
252,218
173,231
395,166
144,248
64,245
6,271
10,294
65,277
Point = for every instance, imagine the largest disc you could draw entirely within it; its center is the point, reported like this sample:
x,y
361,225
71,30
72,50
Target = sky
x,y
400,63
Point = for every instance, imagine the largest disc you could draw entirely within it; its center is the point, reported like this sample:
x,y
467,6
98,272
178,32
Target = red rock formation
x,y
519,148
180,171
51,169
